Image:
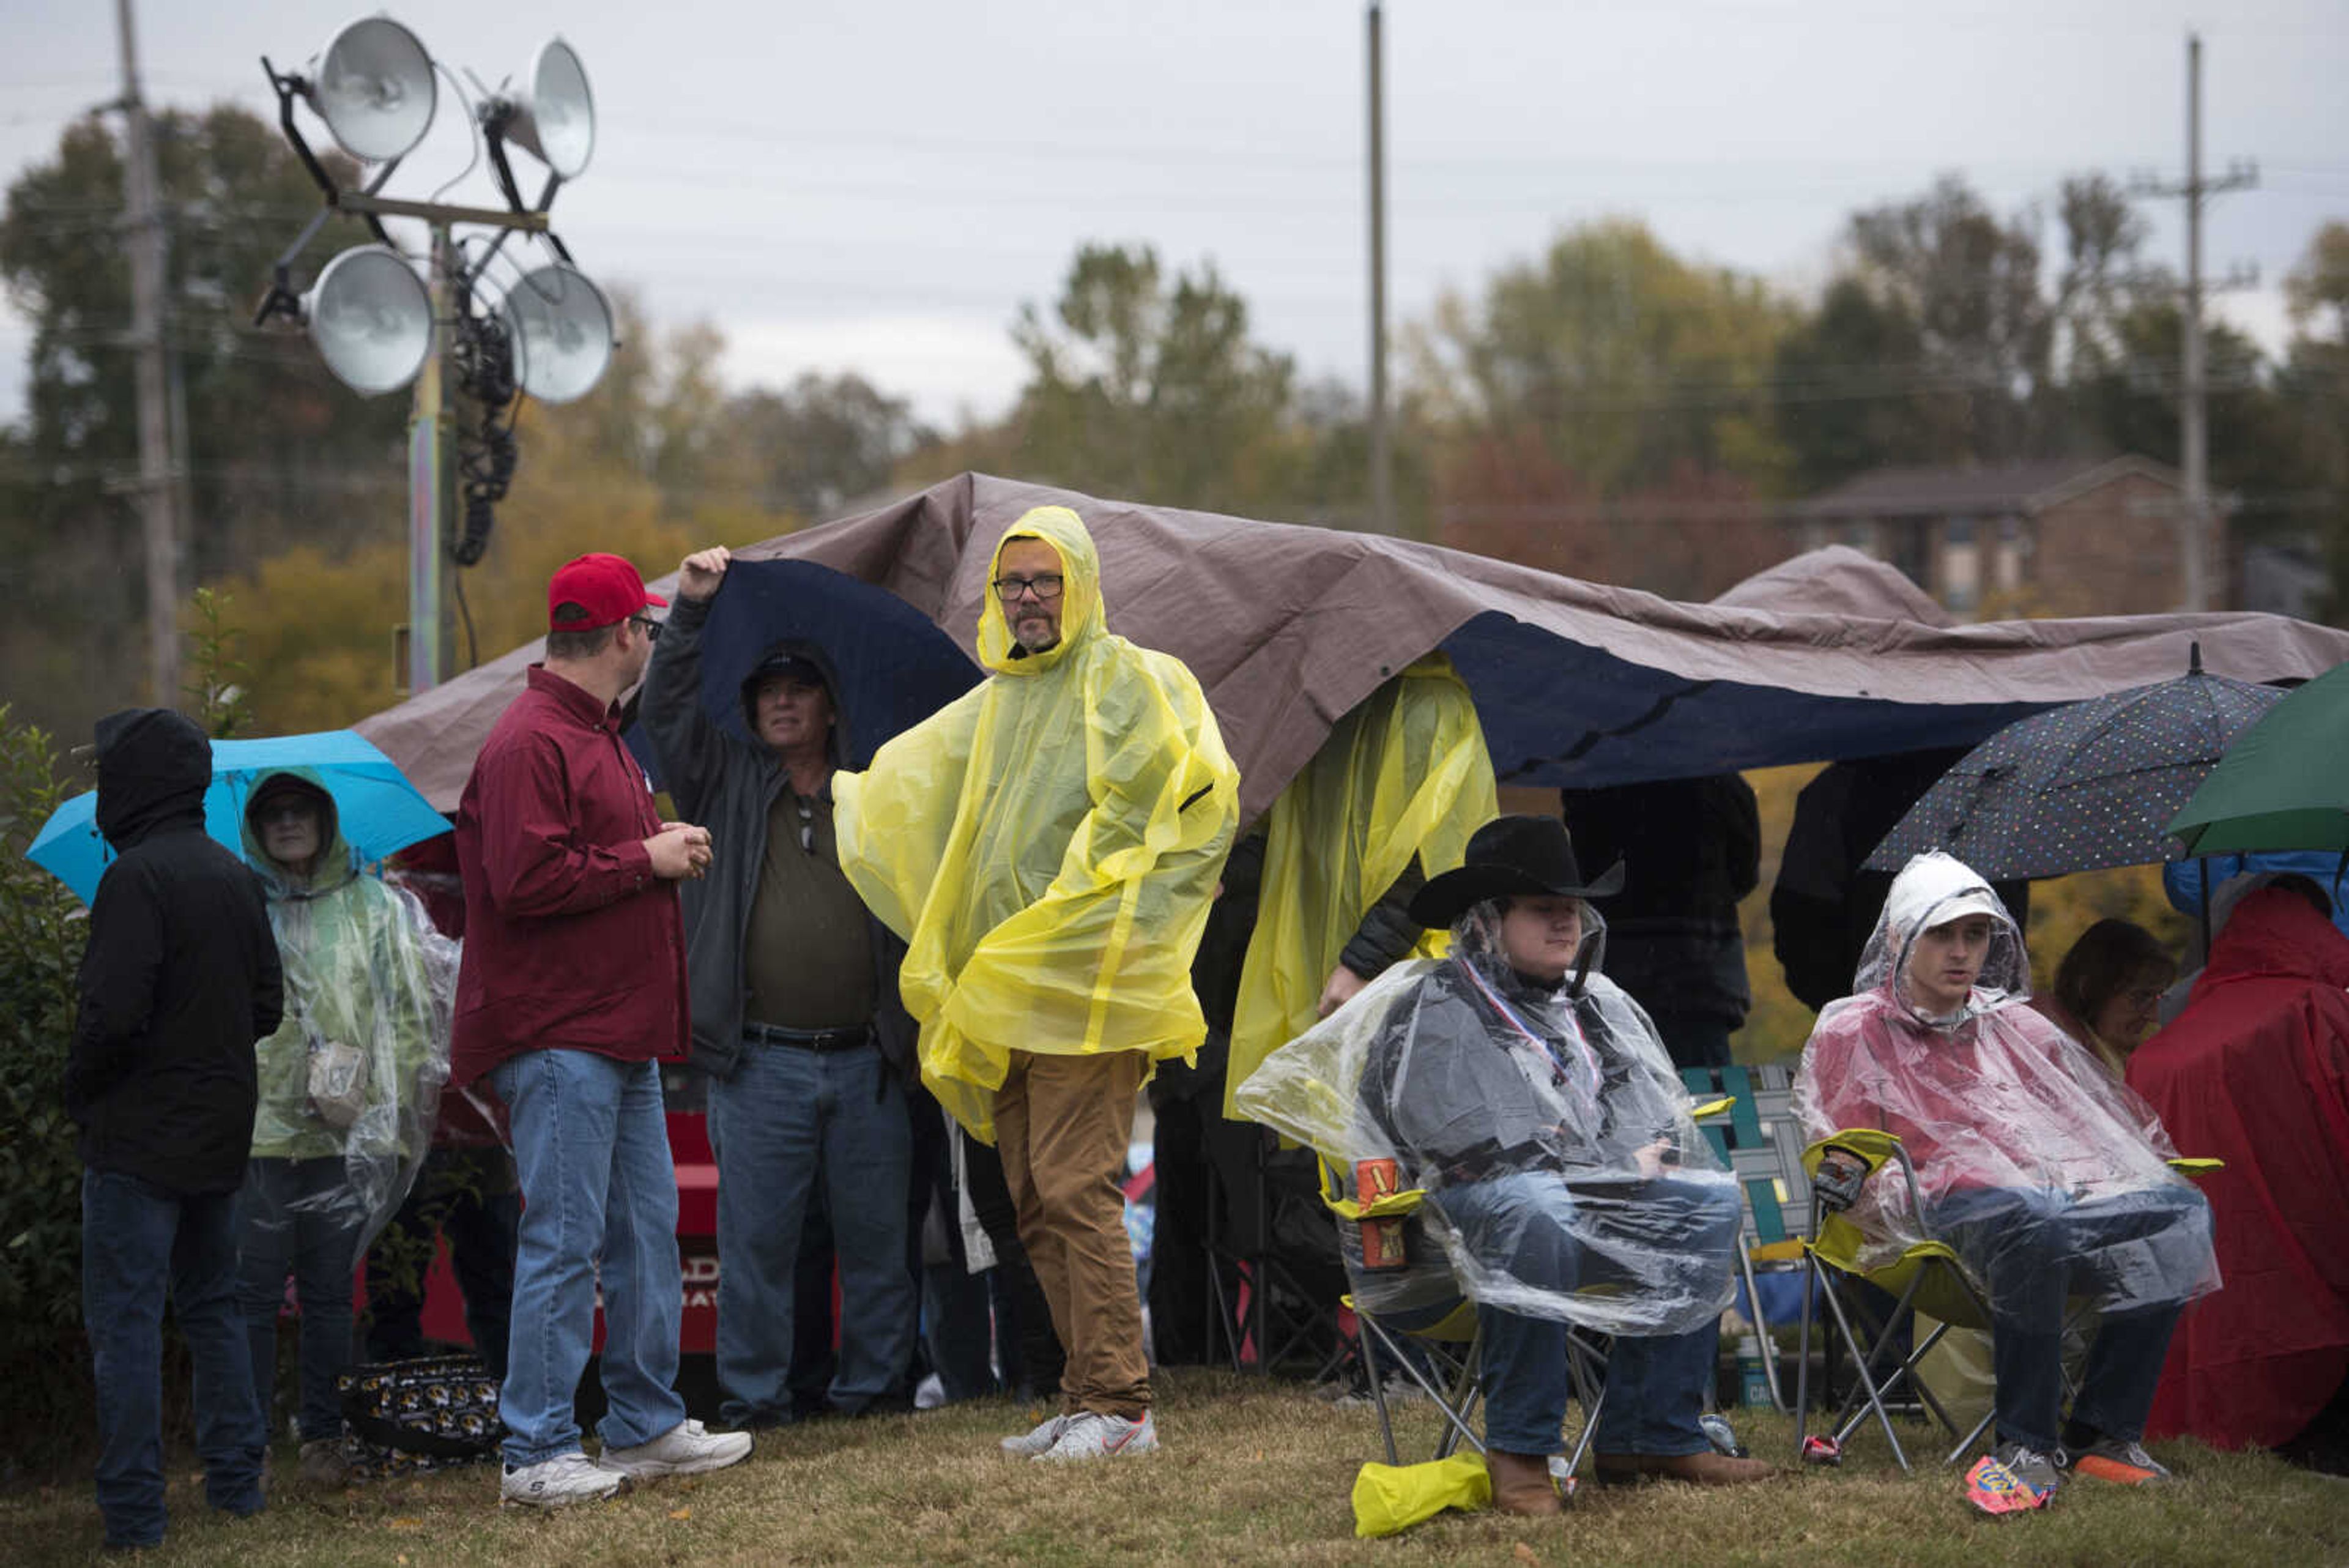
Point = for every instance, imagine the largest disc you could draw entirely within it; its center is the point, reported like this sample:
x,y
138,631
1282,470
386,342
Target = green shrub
x,y
41,932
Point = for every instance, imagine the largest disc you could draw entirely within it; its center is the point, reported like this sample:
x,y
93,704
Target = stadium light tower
x,y
382,318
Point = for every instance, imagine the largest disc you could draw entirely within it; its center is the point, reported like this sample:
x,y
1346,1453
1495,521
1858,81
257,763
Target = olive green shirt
x,y
807,956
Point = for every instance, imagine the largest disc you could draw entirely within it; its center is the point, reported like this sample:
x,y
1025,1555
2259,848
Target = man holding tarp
x,y
794,1019
1047,846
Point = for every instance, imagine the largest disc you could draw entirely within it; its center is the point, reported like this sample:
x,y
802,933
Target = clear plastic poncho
x,y
1047,846
1992,1098
1565,1177
354,1073
1405,774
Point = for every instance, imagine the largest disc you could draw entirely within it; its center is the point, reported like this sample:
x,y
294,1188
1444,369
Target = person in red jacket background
x,y
2255,1072
572,986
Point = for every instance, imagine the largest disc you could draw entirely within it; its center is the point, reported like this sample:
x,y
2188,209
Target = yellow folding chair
x,y
1435,1340
1926,1277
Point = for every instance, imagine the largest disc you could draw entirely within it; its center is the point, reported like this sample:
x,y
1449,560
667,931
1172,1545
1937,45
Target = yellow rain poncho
x,y
1047,846
1405,773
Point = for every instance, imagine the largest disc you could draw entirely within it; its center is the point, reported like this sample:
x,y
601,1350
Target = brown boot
x,y
1702,1468
1521,1483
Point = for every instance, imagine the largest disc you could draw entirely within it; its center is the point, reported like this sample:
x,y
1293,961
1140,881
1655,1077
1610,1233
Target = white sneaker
x,y
1095,1436
558,1482
1027,1445
685,1450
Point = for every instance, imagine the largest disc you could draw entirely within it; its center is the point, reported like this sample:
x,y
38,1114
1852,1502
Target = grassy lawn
x,y
1253,1473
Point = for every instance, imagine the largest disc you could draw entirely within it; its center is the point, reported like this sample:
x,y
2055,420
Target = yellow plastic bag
x,y
1405,773
1389,1499
1047,845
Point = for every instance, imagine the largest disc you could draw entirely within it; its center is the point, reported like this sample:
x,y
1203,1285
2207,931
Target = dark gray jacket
x,y
729,785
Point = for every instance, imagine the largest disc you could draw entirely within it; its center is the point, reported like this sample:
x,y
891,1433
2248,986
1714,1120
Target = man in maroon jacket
x,y
573,984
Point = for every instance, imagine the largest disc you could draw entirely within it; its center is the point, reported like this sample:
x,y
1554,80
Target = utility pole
x,y
1381,448
2193,430
431,571
144,229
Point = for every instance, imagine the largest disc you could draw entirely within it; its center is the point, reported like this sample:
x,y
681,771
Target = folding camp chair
x,y
1436,1342
1263,1309
1760,1141
1927,1278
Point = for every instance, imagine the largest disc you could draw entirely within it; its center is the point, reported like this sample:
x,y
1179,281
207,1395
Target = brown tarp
x,y
1837,580
1288,626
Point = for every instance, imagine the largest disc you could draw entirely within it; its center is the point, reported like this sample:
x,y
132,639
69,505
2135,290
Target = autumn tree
x,y
1624,359
272,444
1149,386
2312,385
1605,411
820,443
316,627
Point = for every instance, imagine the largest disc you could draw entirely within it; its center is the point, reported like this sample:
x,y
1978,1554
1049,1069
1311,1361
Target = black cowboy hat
x,y
1528,855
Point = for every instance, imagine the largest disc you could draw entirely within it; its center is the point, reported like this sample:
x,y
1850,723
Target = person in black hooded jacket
x,y
179,979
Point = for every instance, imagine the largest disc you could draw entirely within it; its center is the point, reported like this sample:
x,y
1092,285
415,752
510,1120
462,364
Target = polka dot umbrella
x,y
2081,787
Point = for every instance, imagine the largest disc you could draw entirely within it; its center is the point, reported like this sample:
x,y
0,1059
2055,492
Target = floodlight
x,y
371,318
373,86
554,113
562,332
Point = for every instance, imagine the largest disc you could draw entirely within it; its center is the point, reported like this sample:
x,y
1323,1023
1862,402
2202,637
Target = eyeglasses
x,y
807,825
276,811
1045,587
650,626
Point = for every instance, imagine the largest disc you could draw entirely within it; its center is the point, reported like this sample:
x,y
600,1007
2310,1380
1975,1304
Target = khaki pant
x,y
1061,1124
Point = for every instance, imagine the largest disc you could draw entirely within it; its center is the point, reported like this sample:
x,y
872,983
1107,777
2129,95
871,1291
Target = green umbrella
x,y
2285,784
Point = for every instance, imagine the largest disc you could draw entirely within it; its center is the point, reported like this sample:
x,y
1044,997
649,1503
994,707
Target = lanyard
x,y
1582,1073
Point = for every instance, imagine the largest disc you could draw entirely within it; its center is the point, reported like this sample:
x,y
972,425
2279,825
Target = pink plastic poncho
x,y
1993,1096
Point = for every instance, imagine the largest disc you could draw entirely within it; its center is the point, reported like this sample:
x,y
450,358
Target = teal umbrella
x,y
2285,784
378,810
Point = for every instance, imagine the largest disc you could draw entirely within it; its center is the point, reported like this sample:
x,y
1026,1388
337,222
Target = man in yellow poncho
x,y
1048,846
1387,802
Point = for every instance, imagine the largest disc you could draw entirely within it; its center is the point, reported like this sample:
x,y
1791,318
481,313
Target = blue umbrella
x,y
380,811
895,667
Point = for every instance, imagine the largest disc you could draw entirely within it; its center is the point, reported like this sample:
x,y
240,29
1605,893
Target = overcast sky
x,y
879,186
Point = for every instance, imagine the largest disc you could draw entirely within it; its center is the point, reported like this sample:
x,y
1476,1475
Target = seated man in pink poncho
x,y
2048,1179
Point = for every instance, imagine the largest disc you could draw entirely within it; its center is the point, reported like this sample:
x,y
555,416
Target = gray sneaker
x,y
1027,1445
687,1449
558,1482
1096,1436
2041,1472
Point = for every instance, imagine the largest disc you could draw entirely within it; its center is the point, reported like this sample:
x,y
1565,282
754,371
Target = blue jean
x,y
139,1245
2026,1245
788,1128
599,1200
287,1222
1655,1384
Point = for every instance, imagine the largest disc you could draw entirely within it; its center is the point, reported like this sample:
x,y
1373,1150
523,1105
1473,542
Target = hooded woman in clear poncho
x,y
1568,1184
2048,1177
349,1084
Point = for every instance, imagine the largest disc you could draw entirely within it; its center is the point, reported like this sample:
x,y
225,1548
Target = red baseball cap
x,y
606,587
